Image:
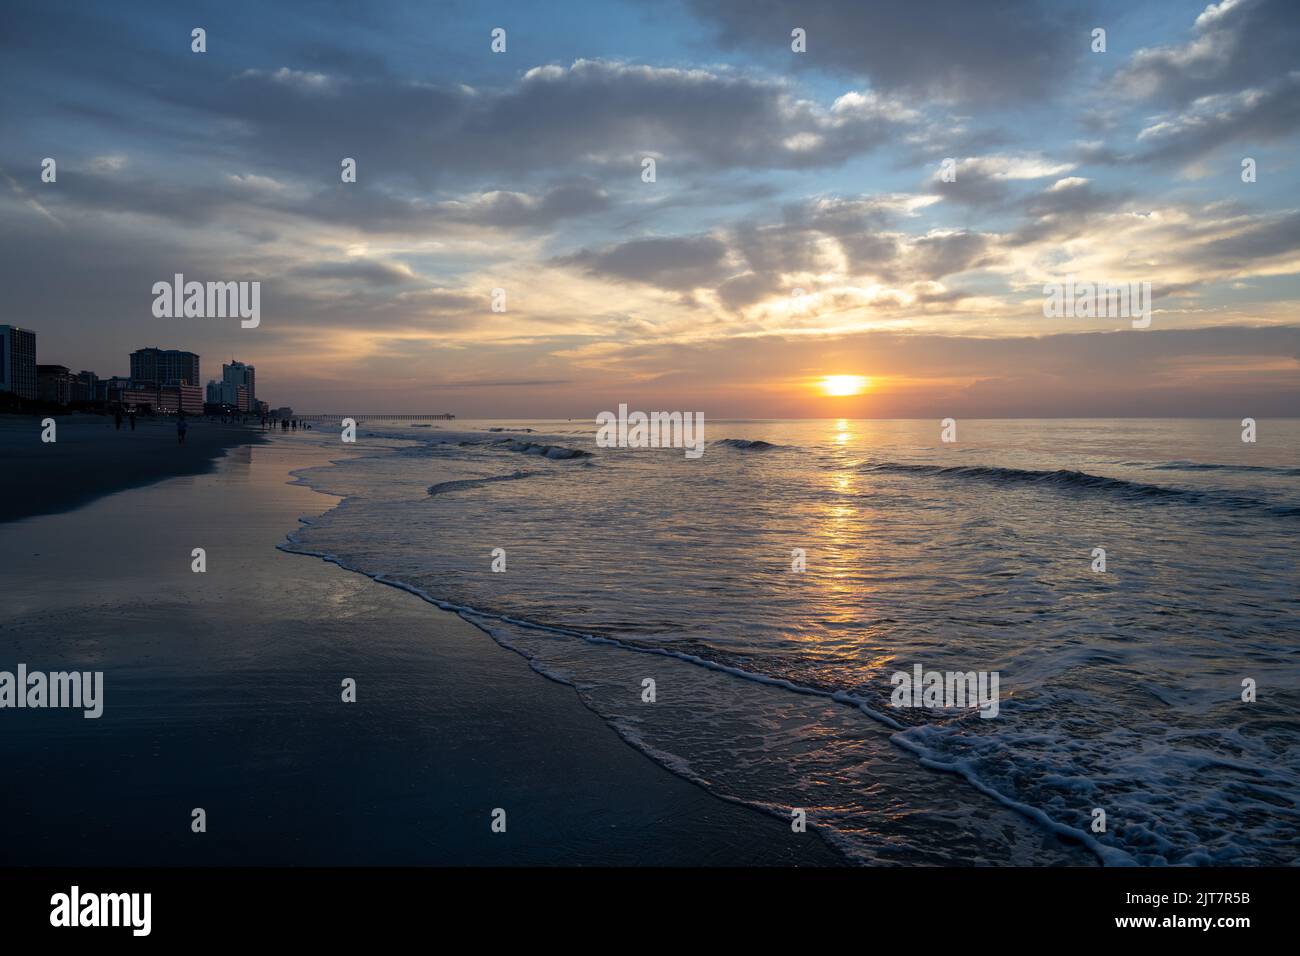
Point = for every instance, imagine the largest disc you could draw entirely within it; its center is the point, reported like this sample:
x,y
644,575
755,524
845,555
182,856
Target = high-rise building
x,y
18,361
167,399
237,373
229,394
189,399
84,386
54,384
110,389
165,367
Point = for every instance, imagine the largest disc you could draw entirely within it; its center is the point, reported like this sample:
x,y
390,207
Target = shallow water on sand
x,y
1119,690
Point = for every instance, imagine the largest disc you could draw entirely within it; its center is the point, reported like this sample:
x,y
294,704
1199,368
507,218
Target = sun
x,y
841,385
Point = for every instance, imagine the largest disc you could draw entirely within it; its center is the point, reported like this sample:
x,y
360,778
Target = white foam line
x,y
671,762
470,612
1109,856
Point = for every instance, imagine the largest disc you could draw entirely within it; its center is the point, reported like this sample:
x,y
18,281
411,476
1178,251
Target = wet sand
x,y
223,691
90,458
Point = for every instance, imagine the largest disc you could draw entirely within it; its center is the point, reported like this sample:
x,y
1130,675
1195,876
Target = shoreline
x,y
222,691
90,458
930,790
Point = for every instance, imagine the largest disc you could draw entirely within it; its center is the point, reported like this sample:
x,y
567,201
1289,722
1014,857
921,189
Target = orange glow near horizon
x,y
840,386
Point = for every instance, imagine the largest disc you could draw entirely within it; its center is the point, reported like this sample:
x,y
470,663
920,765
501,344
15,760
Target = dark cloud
x,y
974,188
236,196
1236,45
669,263
510,209
933,257
299,107
1063,211
751,261
957,49
594,115
742,290
358,270
747,262
859,226
82,189
1251,116
443,301
1234,81
779,248
1259,241
989,182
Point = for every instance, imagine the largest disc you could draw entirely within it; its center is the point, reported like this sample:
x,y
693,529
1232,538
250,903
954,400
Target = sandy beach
x,y
222,691
90,457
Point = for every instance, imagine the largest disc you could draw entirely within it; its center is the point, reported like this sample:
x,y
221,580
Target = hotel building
x,y
18,361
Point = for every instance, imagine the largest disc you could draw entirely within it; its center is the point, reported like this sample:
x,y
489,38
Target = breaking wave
x,y
1083,481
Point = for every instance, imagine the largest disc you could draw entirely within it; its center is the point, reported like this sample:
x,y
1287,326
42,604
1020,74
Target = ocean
x,y
773,587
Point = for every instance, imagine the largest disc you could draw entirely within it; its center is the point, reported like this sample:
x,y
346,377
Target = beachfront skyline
x,y
798,226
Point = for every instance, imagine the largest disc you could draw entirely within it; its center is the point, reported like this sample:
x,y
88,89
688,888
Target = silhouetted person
x,y
181,427
117,418
130,416
293,424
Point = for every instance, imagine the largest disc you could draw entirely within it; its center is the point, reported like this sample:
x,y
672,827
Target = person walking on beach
x,y
117,418
181,427
130,416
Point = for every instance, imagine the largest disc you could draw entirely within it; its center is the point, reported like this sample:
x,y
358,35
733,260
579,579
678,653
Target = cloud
x,y
245,197
669,263
1256,115
298,80
819,246
359,270
1256,245
594,114
937,255
503,209
1236,45
1063,210
1234,81
1212,371
751,260
986,180
954,49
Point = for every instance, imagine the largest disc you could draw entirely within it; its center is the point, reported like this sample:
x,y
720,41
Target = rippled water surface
x,y
1119,690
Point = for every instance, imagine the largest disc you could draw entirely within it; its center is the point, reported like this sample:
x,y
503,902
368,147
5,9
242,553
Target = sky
x,y
798,225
